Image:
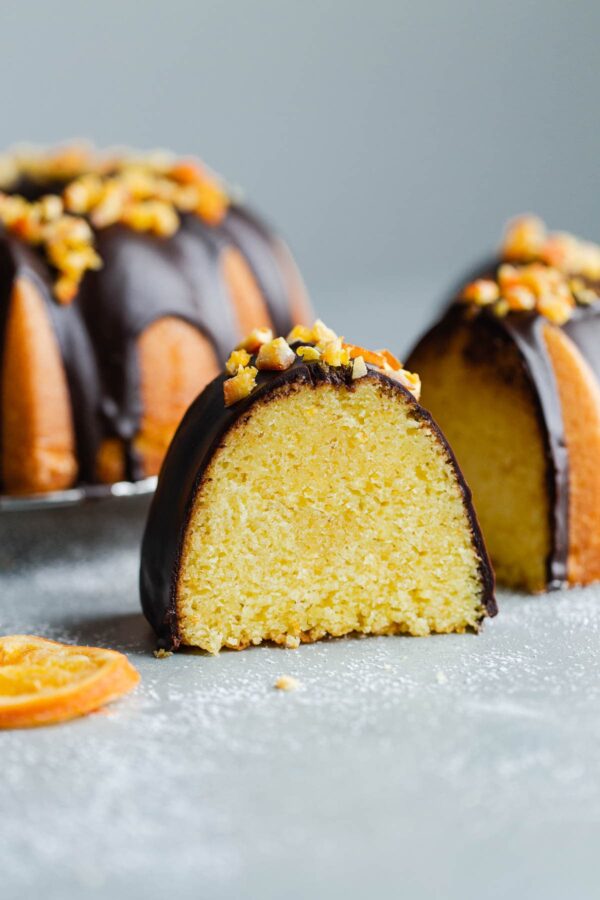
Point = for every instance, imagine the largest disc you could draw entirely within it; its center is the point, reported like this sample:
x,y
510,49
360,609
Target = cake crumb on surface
x,y
287,683
441,678
161,653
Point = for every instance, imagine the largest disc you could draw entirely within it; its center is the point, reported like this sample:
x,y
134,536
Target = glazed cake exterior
x,y
124,281
308,494
511,372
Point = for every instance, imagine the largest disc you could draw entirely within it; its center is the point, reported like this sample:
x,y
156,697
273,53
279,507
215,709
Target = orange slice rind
x,y
43,682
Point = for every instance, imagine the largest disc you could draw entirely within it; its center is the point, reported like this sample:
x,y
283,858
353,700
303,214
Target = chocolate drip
x,y
200,434
144,278
7,275
21,261
527,332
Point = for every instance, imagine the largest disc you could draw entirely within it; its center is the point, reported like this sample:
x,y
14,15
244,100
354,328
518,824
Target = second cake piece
x,y
511,373
307,493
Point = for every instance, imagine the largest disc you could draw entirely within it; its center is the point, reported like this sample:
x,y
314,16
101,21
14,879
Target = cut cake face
x,y
322,500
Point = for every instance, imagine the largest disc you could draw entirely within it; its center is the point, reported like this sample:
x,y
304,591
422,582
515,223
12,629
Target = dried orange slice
x,y
42,681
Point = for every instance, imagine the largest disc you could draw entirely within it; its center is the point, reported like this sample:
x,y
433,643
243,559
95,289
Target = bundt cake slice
x,y
124,281
511,373
307,493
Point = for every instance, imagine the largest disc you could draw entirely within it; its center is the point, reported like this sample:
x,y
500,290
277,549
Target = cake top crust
x,y
55,199
319,346
550,274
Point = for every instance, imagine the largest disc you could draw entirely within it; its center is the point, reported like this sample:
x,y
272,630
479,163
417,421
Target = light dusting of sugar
x,y
205,774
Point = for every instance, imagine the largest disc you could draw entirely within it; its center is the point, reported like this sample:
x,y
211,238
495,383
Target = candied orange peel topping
x,y
527,240
147,193
67,240
238,359
43,682
550,274
318,344
308,353
241,385
254,341
276,355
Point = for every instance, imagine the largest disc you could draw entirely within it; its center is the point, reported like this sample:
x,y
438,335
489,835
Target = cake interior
x,y
326,511
479,394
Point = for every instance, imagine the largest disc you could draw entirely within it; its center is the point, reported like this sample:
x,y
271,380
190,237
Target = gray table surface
x,y
452,767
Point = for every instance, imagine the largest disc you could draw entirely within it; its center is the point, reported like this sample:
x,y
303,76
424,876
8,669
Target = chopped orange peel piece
x,y
318,343
308,353
410,380
240,386
254,341
375,358
238,359
43,682
335,354
388,363
276,355
188,171
390,359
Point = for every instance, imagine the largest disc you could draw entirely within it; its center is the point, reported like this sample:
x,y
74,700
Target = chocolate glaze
x,y
525,331
200,434
143,278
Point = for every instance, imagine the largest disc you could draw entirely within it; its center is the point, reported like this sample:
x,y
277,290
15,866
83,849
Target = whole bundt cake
x,y
512,374
307,493
124,280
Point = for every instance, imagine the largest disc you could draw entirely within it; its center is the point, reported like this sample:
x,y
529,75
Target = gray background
x,y
388,139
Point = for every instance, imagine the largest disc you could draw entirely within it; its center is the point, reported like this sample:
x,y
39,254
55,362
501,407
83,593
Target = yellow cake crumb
x,y
327,511
287,683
